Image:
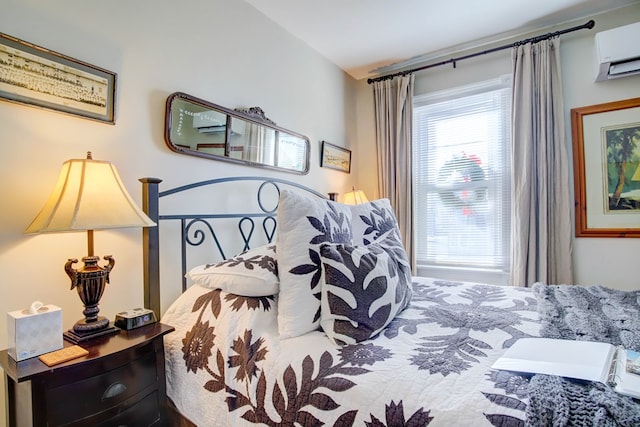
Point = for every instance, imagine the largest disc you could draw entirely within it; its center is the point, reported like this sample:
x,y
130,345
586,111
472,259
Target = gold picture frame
x,y
335,157
35,76
606,144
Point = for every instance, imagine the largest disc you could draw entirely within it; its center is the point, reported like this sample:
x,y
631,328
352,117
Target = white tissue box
x,y
34,332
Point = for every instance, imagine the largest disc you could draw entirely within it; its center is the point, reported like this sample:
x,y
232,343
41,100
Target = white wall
x,y
222,51
600,260
596,260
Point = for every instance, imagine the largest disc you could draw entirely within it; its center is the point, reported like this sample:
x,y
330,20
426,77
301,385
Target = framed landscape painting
x,y
606,162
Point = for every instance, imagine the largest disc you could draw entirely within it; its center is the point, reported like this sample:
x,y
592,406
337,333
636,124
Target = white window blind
x,y
292,151
461,181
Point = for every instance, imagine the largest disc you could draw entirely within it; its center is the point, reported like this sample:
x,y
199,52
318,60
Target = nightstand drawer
x,y
144,413
98,393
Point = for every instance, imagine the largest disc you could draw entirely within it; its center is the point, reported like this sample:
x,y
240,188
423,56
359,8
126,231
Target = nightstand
x,y
120,382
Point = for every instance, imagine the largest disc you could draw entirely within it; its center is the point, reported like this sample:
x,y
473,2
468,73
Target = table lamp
x,y
355,197
88,196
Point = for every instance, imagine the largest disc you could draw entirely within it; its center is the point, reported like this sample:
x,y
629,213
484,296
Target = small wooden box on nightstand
x,y
120,382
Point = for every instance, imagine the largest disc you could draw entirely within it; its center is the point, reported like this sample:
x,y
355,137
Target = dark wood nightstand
x,y
121,382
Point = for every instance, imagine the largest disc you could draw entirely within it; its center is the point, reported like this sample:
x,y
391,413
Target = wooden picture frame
x,y
335,157
606,165
35,76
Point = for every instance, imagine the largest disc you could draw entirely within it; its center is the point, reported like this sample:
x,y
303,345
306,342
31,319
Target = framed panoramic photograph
x,y
39,77
335,157
606,165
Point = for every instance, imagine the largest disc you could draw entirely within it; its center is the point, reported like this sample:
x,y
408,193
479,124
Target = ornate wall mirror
x,y
200,128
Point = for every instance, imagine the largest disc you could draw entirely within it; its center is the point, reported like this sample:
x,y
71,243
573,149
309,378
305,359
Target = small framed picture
x,y
335,157
39,77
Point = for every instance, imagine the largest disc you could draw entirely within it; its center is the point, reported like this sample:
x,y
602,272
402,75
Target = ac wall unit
x,y
212,129
618,52
237,127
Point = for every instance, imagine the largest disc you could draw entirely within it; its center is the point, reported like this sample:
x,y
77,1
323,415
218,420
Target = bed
x,y
420,352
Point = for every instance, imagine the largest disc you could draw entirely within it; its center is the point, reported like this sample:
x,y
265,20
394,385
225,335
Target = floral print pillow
x,y
371,221
253,273
363,289
304,223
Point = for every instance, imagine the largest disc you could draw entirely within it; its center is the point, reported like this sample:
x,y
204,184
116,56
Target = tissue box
x,y
34,332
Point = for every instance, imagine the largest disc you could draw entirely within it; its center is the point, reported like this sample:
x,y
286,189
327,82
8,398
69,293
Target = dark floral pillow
x,y
253,273
364,289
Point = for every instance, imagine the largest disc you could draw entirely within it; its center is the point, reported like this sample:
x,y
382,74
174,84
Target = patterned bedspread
x,y
226,365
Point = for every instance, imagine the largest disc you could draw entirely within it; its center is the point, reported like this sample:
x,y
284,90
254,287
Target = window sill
x,y
495,277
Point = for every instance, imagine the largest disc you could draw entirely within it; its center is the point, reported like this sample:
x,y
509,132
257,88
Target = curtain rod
x,y
589,25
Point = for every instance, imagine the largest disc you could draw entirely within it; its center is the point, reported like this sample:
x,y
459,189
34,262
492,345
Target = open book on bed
x,y
586,360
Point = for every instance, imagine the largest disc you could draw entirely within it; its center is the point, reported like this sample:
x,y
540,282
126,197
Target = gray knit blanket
x,y
593,313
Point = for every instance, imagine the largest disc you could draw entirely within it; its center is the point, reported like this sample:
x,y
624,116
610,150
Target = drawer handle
x,y
113,390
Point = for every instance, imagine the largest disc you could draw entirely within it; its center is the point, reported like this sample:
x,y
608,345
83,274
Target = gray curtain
x,y
541,230
393,102
258,144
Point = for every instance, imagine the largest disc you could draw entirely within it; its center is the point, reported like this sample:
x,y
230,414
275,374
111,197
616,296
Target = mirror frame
x,y
247,114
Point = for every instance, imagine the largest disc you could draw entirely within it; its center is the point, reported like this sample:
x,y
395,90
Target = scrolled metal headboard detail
x,y
197,228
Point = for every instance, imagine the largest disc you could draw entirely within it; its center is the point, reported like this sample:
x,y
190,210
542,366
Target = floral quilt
x,y
227,366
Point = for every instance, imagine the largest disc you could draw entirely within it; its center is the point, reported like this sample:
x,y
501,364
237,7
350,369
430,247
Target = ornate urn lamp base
x,y
90,282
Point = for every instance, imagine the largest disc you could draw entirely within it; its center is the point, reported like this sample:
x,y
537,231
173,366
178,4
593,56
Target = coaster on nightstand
x,y
63,355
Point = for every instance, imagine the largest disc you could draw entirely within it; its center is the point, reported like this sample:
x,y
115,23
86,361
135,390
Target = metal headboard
x,y
246,223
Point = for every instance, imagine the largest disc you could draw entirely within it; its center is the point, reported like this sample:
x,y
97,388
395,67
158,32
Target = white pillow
x,y
372,220
253,273
304,223
363,288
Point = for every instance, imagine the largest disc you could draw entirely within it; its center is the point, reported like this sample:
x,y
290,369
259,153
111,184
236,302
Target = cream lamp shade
x,y
89,195
355,197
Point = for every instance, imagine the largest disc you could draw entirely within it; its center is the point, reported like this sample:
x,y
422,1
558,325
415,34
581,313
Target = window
x,y
462,182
